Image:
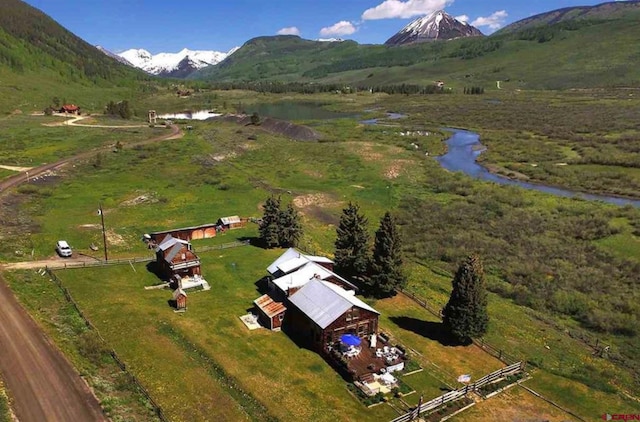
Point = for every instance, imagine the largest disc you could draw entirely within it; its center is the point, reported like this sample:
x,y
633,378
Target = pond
x,y
190,115
464,147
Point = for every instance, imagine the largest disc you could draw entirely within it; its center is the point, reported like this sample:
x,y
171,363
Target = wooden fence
x,y
461,392
156,407
499,354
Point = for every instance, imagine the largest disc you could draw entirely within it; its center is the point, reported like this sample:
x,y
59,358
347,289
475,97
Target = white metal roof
x,y
168,242
230,220
293,259
304,274
324,302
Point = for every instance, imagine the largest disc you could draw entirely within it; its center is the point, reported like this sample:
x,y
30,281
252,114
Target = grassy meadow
x,y
547,259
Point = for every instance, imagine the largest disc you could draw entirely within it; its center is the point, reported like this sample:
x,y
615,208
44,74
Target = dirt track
x,y
42,383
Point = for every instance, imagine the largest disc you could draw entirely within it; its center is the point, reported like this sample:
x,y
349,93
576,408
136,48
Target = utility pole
x,y
104,232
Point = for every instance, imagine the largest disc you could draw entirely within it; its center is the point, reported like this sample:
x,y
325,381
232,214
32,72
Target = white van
x,y
63,249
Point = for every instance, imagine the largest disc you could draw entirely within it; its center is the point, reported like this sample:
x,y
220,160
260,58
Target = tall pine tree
x,y
465,315
385,274
352,243
290,230
270,225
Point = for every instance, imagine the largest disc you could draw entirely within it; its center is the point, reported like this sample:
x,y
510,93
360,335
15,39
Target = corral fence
x,y
499,354
156,407
461,392
236,244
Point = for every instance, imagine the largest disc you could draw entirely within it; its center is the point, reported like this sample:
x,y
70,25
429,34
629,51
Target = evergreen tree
x,y
290,230
352,243
465,315
385,273
270,225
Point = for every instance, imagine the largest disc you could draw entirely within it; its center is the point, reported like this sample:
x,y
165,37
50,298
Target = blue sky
x,y
169,26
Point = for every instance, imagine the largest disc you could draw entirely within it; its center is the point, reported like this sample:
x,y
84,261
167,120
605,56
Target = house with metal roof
x,y
288,284
292,259
175,257
320,312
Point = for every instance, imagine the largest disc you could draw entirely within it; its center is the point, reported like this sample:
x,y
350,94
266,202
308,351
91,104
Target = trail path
x,y
42,384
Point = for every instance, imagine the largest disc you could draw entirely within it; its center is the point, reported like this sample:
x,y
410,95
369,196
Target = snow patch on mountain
x,y
167,64
439,25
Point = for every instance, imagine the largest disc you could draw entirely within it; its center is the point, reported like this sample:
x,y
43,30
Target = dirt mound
x,y
280,127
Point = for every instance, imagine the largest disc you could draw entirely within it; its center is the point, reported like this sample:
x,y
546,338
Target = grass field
x,y
216,170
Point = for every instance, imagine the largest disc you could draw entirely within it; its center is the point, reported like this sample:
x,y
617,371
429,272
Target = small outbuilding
x,y
270,312
233,222
180,299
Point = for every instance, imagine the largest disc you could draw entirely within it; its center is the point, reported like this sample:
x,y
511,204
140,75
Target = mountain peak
x,y
439,25
179,64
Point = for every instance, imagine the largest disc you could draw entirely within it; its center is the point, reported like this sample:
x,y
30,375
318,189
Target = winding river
x,y
464,147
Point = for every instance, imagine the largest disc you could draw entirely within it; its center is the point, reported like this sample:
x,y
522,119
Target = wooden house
x,y
270,312
233,222
321,312
180,299
70,109
175,257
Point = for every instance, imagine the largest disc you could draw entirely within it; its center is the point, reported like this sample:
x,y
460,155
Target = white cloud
x,y
390,9
340,28
290,30
463,18
493,21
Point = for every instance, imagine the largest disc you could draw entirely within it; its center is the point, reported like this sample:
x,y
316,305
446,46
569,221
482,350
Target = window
x,y
355,314
281,317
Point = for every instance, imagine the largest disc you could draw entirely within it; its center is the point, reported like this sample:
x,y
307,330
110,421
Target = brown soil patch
x,y
365,150
115,239
316,206
395,169
148,198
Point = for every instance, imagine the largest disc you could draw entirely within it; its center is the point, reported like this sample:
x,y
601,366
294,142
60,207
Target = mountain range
x,y
176,65
438,25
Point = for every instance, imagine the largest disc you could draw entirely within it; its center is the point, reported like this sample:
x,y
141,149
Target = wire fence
x,y
156,407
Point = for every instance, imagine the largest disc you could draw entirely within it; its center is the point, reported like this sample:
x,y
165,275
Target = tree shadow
x,y
432,330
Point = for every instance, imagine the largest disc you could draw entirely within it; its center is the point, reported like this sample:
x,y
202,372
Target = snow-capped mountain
x,y
176,65
437,26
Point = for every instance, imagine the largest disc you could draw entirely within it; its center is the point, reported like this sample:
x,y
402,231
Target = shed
x,y
233,222
180,298
270,312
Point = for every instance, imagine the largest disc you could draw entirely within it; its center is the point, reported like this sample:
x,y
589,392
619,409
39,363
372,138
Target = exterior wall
x,y
358,321
181,302
327,265
201,232
365,324
276,321
166,267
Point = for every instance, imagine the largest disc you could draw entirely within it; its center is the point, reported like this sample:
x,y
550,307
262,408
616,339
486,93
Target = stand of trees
x,y
379,273
121,109
313,88
474,90
279,227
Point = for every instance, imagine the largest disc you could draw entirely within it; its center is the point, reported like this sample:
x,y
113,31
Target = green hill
x,y
40,59
590,48
605,11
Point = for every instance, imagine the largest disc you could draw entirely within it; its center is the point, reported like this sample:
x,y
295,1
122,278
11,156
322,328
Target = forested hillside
x,y
555,54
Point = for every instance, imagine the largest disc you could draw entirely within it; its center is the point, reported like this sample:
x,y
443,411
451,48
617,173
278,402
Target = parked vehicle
x,y
63,249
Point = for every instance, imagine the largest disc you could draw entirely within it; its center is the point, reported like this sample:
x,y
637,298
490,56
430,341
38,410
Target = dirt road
x,y
43,384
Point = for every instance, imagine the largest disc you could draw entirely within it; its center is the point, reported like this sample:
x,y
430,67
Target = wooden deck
x,y
368,363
